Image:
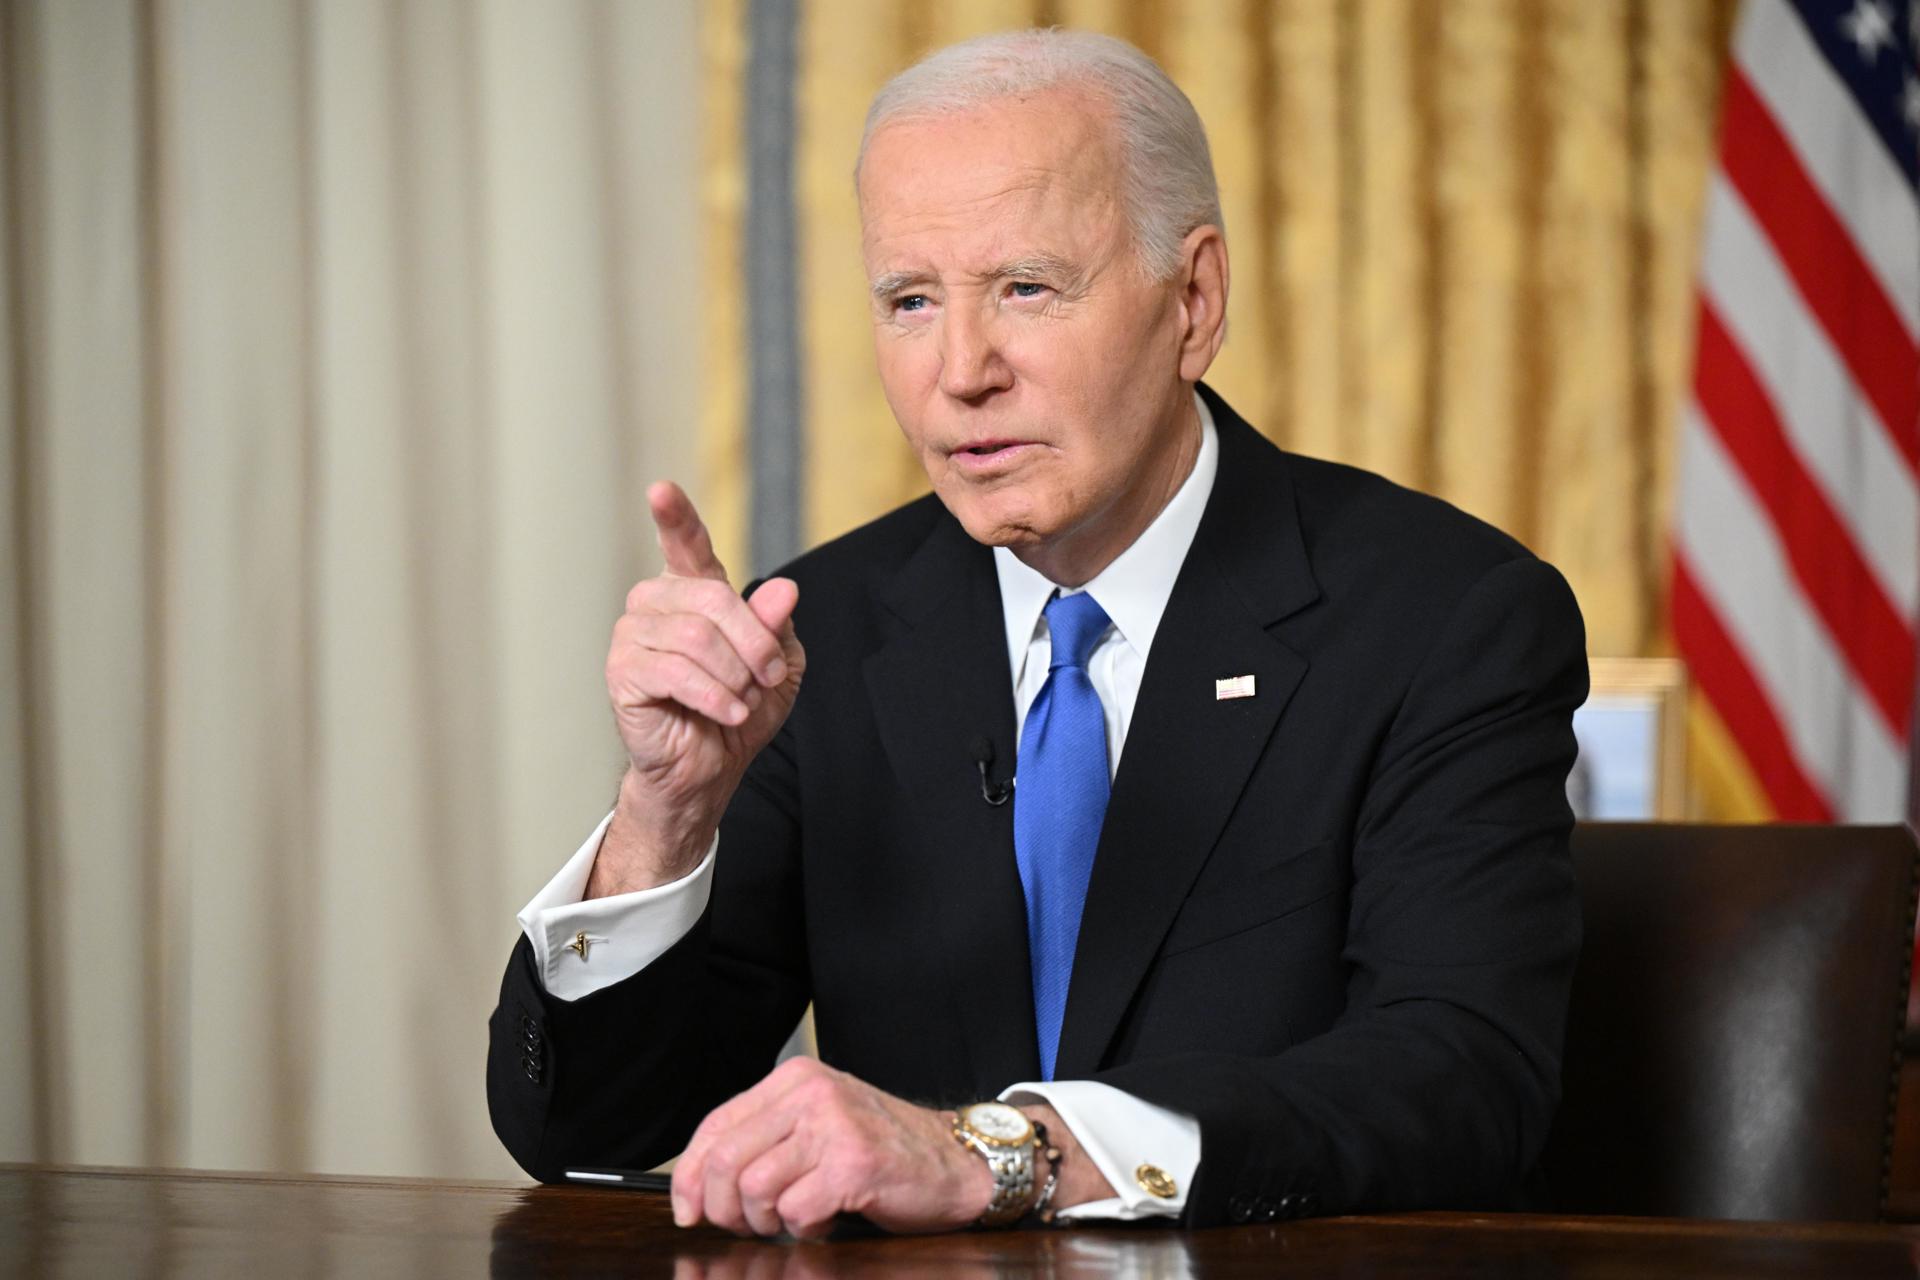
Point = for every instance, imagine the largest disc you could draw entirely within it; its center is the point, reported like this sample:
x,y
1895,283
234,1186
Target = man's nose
x,y
970,360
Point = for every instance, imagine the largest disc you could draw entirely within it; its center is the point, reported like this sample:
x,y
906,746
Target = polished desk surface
x,y
134,1223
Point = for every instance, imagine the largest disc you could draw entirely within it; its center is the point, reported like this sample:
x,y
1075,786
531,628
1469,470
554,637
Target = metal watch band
x,y
1012,1169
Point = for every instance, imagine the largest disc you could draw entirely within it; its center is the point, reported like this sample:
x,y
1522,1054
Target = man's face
x,y
1029,361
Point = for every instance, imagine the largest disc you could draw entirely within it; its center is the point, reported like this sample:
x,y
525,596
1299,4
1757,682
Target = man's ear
x,y
1203,282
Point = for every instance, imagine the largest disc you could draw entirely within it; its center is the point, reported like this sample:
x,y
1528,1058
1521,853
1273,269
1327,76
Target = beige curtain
x,y
338,340
1463,236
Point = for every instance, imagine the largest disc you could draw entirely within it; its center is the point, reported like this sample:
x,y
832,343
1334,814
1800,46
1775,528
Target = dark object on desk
x,y
1732,1044
624,1179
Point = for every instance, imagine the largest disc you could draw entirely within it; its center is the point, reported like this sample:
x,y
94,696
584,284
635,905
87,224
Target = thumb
x,y
772,602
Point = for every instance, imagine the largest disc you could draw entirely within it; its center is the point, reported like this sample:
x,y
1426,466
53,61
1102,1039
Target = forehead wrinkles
x,y
937,204
982,221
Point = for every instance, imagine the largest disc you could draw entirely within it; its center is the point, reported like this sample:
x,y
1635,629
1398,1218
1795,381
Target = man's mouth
x,y
986,458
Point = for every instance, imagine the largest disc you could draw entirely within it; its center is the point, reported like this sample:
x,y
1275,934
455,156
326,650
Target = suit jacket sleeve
x,y
1437,1084
621,1077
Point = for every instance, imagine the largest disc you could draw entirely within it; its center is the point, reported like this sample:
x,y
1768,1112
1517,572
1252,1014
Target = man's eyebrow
x,y
1037,265
891,283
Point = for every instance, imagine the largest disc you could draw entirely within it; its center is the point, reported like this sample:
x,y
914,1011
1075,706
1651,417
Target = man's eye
x,y
1027,289
912,302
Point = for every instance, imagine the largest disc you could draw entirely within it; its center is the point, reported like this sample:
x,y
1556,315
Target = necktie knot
x,y
1075,623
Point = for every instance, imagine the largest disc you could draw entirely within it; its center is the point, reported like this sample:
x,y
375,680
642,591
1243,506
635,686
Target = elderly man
x,y
1279,919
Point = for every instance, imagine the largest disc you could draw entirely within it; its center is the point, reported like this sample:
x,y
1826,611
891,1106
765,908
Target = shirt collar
x,y
1133,589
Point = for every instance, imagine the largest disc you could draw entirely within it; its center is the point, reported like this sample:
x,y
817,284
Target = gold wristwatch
x,y
1004,1138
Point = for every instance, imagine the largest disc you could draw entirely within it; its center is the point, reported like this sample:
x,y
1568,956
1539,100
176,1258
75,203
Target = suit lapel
x,y
939,682
1188,754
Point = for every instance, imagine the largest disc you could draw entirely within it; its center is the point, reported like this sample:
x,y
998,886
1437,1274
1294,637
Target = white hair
x,y
1167,180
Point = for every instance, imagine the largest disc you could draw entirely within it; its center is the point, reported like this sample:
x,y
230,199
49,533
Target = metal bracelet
x,y
1043,1207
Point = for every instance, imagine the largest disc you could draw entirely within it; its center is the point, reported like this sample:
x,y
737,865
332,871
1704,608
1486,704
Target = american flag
x,y
1796,560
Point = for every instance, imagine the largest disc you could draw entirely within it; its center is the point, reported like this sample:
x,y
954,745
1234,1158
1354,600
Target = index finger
x,y
683,538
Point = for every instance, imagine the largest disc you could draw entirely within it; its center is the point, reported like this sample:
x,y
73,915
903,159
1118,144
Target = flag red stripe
x,y
1862,621
1839,286
1724,677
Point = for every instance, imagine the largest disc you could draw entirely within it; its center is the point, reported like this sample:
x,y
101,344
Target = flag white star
x,y
1870,26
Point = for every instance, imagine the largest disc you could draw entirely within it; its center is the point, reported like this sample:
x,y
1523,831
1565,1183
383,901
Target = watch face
x,y
998,1122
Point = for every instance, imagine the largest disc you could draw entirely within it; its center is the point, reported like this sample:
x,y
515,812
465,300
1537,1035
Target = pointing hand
x,y
700,680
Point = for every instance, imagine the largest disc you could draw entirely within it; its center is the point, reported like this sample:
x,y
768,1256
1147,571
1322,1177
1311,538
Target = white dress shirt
x,y
1118,1131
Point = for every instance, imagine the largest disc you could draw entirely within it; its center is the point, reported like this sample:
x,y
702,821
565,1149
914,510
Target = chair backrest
x,y
1732,1045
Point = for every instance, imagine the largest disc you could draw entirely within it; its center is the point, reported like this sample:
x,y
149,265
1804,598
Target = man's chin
x,y
997,529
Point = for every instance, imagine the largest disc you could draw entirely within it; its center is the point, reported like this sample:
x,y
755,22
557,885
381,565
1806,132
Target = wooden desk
x,y
67,1222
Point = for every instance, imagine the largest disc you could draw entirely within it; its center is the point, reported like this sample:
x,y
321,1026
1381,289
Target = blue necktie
x,y
1059,802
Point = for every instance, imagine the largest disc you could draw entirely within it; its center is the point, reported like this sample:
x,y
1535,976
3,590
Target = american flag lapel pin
x,y
1232,687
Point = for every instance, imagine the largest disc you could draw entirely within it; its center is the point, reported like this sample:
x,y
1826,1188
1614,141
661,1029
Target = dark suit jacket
x,y
1335,922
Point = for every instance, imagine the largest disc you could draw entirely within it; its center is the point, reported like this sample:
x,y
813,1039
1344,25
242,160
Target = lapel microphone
x,y
994,793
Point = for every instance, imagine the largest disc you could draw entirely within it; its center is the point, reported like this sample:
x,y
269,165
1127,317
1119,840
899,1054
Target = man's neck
x,y
1079,557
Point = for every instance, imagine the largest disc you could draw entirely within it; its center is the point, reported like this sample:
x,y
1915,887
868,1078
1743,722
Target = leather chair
x,y
1732,1044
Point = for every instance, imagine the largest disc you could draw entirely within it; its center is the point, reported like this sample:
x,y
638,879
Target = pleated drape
x,y
339,342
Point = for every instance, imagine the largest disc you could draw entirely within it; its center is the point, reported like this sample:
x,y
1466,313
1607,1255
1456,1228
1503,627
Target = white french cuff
x,y
1120,1133
580,947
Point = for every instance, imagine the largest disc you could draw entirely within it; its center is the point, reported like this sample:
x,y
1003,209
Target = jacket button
x,y
1266,1211
527,1025
1238,1209
533,1069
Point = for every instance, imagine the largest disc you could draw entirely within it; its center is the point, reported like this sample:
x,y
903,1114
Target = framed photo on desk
x,y
1632,734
